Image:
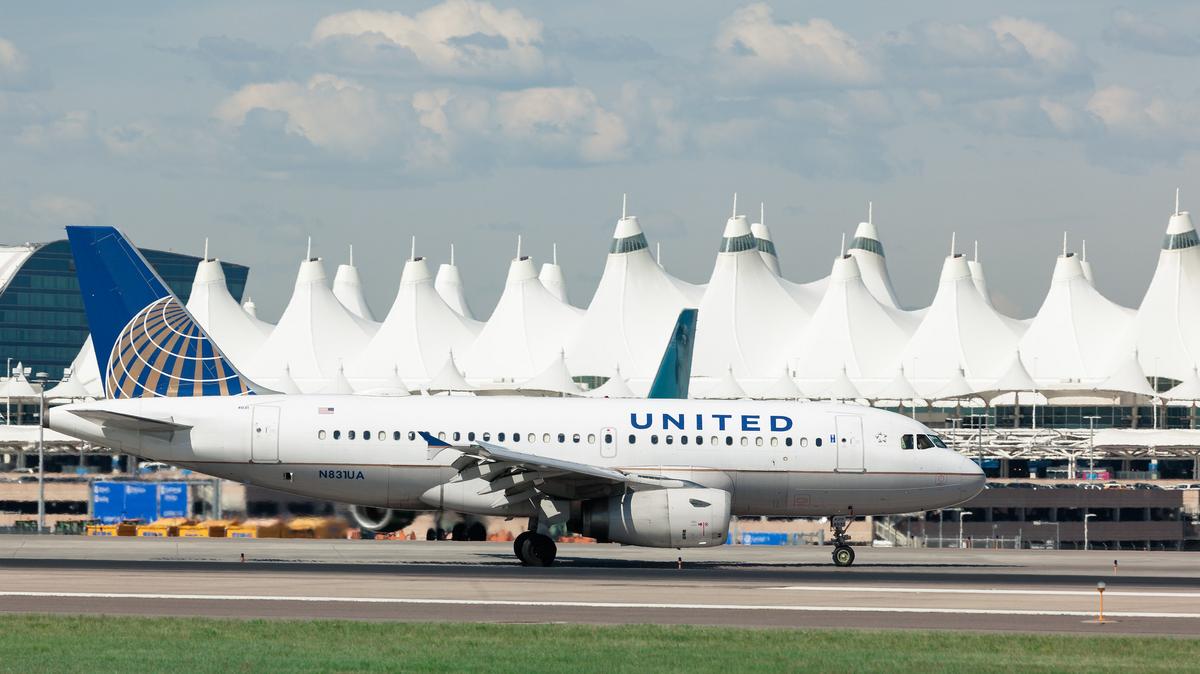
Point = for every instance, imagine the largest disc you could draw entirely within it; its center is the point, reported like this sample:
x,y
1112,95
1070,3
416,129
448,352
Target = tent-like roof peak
x,y
954,268
736,226
845,268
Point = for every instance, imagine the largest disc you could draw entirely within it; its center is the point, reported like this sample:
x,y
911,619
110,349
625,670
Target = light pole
x,y
1086,516
41,379
1092,446
1057,537
976,416
961,515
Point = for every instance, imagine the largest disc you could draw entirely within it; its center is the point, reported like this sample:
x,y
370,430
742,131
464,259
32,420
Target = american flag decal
x,y
324,410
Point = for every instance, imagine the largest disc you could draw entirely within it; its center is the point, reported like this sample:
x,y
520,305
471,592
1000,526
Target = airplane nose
x,y
971,477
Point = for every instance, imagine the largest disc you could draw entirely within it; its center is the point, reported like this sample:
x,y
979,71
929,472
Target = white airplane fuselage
x,y
775,458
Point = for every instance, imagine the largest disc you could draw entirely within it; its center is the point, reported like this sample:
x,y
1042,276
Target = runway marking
x,y
930,590
586,604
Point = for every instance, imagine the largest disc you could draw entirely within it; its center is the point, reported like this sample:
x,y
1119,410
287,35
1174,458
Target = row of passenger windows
x,y
563,438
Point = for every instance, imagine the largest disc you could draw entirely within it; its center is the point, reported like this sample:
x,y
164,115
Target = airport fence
x,y
998,543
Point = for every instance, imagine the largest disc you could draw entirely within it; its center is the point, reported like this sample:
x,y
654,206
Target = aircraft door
x,y
608,443
850,446
264,439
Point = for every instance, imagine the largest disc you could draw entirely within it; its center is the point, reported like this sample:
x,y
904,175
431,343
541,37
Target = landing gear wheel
x,y
843,555
539,550
520,543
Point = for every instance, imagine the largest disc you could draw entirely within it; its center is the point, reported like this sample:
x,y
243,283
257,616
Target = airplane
x,y
666,471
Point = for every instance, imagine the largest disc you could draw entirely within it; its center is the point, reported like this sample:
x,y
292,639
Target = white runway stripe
x,y
585,604
931,590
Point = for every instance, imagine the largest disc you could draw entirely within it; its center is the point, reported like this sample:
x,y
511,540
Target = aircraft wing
x,y
132,422
511,474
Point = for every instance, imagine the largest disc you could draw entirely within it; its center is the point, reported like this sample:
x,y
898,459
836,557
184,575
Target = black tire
x,y
540,550
520,545
477,532
459,532
843,555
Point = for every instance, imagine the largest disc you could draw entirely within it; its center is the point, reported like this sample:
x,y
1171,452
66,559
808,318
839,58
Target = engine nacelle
x,y
657,518
380,520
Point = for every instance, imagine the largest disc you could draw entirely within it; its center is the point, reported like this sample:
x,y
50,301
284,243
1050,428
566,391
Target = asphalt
x,y
1000,590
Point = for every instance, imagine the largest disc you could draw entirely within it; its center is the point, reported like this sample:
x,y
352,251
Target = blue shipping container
x,y
115,502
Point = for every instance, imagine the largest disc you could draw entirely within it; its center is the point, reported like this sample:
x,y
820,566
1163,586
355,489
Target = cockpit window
x,y
923,442
906,441
938,442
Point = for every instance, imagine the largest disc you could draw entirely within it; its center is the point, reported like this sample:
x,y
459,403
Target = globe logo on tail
x,y
162,352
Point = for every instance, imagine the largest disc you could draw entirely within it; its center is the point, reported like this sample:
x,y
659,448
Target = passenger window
x,y
591,438
366,435
337,435
575,438
817,442
456,435
608,438
471,436
546,437
788,441
381,435
654,439
349,435
320,435
532,437
562,437
758,441
412,435
728,440
487,436
923,442
516,437
396,435
699,439
683,439
500,436
714,440
441,435
906,441
670,439
745,441
775,442
632,438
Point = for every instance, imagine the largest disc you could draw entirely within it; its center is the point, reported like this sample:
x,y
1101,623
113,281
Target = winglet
x,y
436,446
675,369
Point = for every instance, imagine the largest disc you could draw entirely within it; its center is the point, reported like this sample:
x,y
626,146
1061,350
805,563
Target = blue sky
x,y
258,124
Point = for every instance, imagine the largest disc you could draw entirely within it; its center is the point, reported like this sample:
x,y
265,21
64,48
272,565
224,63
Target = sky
x,y
256,125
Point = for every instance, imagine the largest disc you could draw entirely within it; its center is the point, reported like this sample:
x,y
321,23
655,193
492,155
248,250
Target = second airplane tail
x,y
147,344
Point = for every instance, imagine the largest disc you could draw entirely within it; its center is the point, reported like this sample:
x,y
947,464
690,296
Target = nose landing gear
x,y
534,549
843,554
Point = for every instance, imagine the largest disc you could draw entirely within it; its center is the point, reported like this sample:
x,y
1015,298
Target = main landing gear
x,y
843,554
534,549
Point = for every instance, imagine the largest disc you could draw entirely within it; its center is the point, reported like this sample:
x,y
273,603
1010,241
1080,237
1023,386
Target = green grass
x,y
42,643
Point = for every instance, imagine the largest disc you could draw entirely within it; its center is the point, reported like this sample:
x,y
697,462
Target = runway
x,y
1027,591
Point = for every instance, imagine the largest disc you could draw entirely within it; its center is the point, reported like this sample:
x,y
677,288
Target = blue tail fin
x,y
147,344
675,369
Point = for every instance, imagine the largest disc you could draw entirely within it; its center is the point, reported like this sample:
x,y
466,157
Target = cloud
x,y
457,39
1008,56
57,209
606,48
75,127
753,49
16,72
1134,31
1131,114
331,113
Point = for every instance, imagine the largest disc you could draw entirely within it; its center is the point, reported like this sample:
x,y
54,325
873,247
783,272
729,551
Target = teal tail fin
x,y
675,369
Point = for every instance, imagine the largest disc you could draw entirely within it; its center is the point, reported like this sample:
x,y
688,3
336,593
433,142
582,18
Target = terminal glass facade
x,y
42,321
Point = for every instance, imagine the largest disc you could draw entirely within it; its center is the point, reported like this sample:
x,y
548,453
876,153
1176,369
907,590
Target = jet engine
x,y
657,518
380,520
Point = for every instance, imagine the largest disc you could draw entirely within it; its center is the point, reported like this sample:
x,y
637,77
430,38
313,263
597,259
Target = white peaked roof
x,y
632,312
449,286
782,387
418,331
725,388
1076,333
392,386
897,388
867,249
17,386
766,246
1167,326
1086,266
959,331
528,329
978,276
1188,389
238,334
956,388
850,330
841,388
615,387
551,276
250,308
554,379
285,384
1015,378
449,378
347,288
85,370
747,319
1127,377
314,334
70,387
338,384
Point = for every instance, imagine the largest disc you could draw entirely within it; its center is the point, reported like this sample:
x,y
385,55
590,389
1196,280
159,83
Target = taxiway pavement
x,y
793,586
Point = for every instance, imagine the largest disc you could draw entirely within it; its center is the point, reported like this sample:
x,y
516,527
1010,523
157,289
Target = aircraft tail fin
x,y
675,368
147,344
